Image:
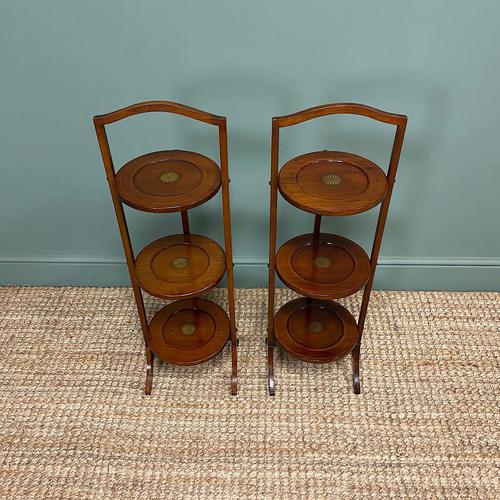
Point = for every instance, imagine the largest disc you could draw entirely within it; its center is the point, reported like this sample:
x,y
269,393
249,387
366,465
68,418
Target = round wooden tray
x,y
189,332
323,267
180,266
332,183
168,181
317,331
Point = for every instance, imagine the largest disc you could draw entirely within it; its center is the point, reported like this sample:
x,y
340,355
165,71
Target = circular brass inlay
x,y
188,329
180,262
322,262
331,179
315,326
169,177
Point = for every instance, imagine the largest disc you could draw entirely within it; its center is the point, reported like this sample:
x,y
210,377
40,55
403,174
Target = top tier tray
x,y
332,183
168,181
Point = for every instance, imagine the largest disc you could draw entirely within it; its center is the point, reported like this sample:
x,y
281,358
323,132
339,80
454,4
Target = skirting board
x,y
393,273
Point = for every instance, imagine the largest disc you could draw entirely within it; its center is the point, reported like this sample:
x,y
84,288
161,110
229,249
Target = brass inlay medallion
x,y
169,177
331,179
180,262
322,262
188,329
315,326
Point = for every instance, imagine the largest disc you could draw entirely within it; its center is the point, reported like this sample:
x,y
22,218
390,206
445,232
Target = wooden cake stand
x,y
323,266
181,266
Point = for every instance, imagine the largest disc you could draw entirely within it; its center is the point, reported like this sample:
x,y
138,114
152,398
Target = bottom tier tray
x,y
189,332
317,331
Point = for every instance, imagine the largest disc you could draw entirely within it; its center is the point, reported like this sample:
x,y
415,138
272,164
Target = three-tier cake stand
x,y
323,266
179,267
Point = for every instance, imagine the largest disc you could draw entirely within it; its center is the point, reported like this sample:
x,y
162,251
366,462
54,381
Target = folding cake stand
x,y
181,266
324,266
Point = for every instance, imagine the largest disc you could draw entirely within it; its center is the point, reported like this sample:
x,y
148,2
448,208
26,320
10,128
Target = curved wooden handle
x,y
159,106
337,109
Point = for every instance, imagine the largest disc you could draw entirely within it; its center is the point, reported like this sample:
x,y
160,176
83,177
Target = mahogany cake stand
x,y
323,266
180,266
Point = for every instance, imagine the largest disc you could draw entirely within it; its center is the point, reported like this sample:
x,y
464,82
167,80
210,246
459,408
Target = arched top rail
x,y
159,106
338,109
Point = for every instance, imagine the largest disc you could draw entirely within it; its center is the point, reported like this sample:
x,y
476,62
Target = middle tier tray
x,y
322,266
180,266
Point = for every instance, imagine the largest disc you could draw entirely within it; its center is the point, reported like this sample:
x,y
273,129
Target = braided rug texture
x,y
76,424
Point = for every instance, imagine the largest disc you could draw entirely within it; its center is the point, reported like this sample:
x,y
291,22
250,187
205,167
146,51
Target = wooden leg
x,y
270,336
356,382
185,222
234,367
232,320
234,330
273,211
317,226
145,330
150,358
379,231
229,256
270,329
234,339
129,254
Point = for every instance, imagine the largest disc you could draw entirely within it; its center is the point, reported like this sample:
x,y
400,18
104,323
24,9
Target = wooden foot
x,y
356,382
270,363
234,384
149,371
149,382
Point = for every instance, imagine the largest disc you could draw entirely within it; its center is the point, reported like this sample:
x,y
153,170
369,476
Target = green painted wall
x,y
436,61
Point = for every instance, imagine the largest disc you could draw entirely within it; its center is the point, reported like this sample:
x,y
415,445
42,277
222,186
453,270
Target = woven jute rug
x,y
75,422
